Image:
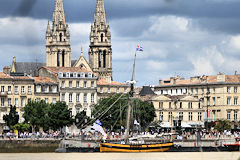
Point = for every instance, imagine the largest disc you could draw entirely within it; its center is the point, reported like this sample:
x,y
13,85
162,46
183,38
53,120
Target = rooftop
x,y
6,76
113,83
43,80
198,80
57,70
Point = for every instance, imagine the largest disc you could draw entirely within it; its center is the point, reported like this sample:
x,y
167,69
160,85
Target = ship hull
x,y
109,147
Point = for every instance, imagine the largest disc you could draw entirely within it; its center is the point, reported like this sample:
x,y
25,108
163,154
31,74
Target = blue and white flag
x,y
98,122
139,48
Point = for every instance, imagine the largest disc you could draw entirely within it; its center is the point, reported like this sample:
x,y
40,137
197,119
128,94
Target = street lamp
x,y
208,103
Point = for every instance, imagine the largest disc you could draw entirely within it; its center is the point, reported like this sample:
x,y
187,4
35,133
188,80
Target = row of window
x,y
22,101
39,89
229,101
196,90
70,97
235,115
190,105
75,75
109,90
46,89
16,89
70,84
190,116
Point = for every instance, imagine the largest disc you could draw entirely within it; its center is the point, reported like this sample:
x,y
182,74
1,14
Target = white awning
x,y
196,123
185,125
165,125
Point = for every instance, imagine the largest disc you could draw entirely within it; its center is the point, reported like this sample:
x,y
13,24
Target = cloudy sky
x,y
179,37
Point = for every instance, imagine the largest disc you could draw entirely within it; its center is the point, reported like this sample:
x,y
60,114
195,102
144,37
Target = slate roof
x,y
30,68
73,62
146,90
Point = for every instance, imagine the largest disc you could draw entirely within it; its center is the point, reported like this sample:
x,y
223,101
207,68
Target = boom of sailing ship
x,y
132,144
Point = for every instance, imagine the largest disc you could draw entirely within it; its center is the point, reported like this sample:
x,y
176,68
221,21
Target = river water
x,y
123,156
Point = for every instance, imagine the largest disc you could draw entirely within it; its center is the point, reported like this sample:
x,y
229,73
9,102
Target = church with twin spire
x,y
58,47
81,82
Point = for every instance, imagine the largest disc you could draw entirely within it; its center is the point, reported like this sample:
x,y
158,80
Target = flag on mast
x,y
139,48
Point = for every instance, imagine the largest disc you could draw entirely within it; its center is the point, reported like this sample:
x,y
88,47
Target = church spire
x,y
58,48
100,14
100,51
58,14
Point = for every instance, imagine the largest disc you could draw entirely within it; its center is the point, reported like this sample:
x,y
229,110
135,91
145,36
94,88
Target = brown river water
x,y
123,156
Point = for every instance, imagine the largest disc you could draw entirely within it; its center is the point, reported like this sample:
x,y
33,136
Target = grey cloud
x,y
24,8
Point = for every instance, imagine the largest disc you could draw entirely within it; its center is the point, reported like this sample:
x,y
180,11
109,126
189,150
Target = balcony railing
x,y
3,93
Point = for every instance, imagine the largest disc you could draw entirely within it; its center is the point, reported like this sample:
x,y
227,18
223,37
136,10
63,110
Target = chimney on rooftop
x,y
221,77
6,70
173,80
160,82
108,79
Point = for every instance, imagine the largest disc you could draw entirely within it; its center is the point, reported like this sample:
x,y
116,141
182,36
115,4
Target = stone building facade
x,y
19,90
218,95
77,87
107,87
185,108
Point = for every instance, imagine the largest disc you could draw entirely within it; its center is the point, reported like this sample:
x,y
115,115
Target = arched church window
x,y
60,37
63,58
100,58
58,58
102,37
104,59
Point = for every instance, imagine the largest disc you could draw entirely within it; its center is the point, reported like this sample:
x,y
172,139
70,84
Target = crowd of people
x,y
26,135
92,135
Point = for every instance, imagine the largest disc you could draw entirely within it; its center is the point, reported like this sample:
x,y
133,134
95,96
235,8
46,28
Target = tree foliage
x,y
115,117
223,125
59,116
21,127
12,118
36,113
47,116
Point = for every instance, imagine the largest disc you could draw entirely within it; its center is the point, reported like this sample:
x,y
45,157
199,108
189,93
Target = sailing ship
x,y
134,144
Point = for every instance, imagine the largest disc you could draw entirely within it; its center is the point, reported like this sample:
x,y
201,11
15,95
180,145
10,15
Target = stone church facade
x,y
81,83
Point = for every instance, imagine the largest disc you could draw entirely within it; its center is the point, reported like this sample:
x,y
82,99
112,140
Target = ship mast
x,y
131,93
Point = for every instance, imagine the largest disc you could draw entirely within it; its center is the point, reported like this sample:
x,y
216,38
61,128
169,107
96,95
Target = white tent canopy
x,y
165,125
185,125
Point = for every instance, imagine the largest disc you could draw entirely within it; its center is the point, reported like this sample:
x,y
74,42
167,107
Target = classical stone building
x,y
100,51
77,87
218,95
58,50
18,90
107,87
185,108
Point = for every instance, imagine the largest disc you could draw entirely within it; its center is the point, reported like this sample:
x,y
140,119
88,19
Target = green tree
x,y
223,125
81,119
59,116
21,127
12,118
36,113
115,117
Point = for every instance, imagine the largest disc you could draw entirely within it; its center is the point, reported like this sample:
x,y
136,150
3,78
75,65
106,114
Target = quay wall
x,y
28,146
